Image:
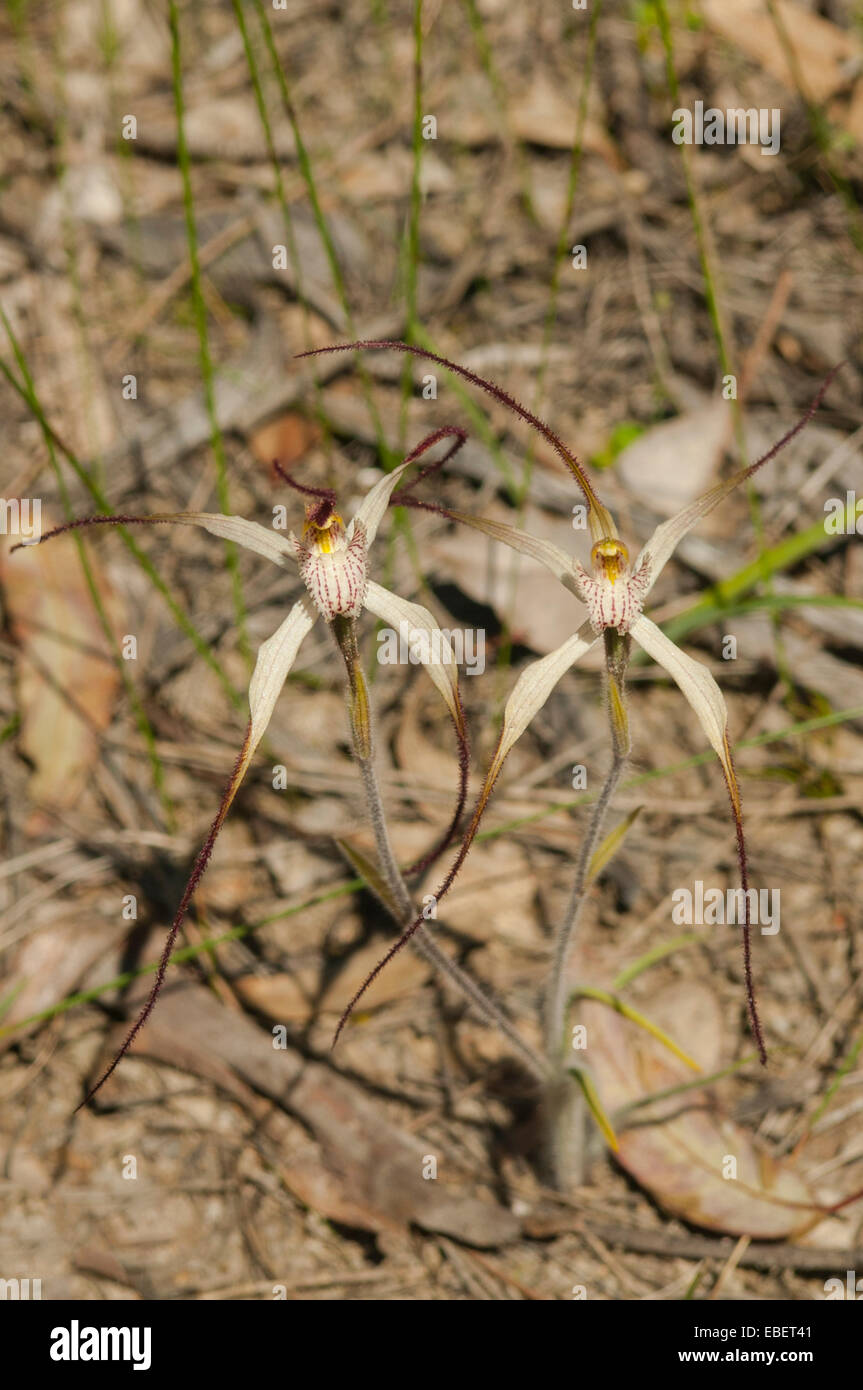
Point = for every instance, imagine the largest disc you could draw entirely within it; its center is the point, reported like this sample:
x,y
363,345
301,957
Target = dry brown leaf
x,y
378,1165
544,115
224,127
324,1191
380,175
494,895
428,763
675,461
824,52
53,961
278,996
679,1154
64,664
288,439
405,974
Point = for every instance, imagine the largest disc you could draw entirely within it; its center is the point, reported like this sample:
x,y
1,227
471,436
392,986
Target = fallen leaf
x,y
224,127
383,175
680,1149
431,765
404,974
494,895
278,996
825,53
64,664
676,460
323,1191
379,1166
53,961
288,439
546,115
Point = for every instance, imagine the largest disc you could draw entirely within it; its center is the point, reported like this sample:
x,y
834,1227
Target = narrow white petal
x,y
262,539
668,535
434,648
548,554
696,683
533,688
276,656
373,506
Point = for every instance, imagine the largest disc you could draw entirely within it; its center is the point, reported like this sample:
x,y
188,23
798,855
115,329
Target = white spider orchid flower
x,y
333,562
614,593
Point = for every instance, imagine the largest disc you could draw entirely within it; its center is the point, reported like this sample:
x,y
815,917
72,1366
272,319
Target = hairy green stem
x,y
560,987
617,650
566,1109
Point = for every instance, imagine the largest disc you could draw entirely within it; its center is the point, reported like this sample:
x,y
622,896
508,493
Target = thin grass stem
x,y
28,394
307,172
204,356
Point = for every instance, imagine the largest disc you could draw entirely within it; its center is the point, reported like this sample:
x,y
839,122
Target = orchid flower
x,y
333,563
614,591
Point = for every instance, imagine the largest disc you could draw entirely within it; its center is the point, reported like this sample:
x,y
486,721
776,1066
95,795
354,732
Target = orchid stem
x,y
617,650
422,941
565,1101
566,1113
386,855
560,987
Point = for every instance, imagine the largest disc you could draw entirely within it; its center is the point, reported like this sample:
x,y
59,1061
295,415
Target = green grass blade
x,y
605,852
701,1083
28,394
805,726
780,557
620,1006
845,1066
594,1105
308,176
144,725
820,127
185,953
651,958
499,92
282,199
10,728
200,309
